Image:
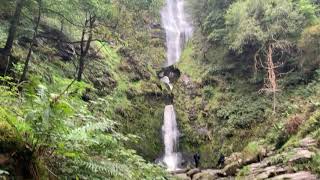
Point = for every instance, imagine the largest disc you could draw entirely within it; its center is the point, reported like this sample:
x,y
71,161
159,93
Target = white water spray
x,y
178,31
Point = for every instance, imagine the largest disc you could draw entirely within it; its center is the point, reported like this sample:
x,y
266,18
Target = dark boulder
x,y
66,51
171,72
26,41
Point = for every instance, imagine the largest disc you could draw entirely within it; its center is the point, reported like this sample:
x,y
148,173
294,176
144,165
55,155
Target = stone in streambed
x,y
192,172
231,169
209,174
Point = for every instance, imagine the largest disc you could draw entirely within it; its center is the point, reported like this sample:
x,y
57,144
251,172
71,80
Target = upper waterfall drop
x,y
178,30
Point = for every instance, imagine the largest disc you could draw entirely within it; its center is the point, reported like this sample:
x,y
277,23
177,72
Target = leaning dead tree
x,y
270,64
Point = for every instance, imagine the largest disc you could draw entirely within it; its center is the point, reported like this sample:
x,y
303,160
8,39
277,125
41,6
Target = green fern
x,y
110,169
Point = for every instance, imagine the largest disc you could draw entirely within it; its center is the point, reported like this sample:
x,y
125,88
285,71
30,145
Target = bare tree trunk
x,y
35,33
6,51
13,27
84,50
272,85
255,65
62,25
81,59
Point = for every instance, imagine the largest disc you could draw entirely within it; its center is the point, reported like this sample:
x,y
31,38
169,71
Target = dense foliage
x,y
60,127
253,59
80,96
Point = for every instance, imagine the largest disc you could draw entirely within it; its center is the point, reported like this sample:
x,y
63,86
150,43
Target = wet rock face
x,y
171,72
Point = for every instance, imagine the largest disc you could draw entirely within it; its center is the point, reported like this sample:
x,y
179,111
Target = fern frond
x,y
107,168
96,126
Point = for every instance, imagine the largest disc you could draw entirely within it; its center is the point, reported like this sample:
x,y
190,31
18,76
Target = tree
x,y
89,25
33,41
271,27
11,34
88,16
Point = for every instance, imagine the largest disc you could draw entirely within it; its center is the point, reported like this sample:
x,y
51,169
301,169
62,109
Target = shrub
x,y
293,124
309,43
243,112
311,125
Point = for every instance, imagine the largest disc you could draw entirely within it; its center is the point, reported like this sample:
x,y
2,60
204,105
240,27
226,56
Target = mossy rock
x,y
8,138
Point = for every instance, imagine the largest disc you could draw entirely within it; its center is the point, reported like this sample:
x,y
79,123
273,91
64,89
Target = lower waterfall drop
x,y
170,135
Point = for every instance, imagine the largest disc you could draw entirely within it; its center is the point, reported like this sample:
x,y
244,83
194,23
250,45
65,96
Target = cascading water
x,y
178,31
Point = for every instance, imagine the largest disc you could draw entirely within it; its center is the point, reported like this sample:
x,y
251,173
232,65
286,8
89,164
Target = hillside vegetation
x,y
80,96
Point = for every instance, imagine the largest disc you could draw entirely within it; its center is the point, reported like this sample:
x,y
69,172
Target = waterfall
x,y
178,31
170,134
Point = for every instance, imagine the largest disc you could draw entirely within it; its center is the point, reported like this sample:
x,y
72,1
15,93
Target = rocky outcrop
x,y
308,142
300,155
232,168
281,165
275,166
